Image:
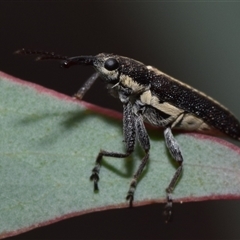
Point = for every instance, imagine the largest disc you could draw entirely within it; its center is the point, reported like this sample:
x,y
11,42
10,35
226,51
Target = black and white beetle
x,y
149,95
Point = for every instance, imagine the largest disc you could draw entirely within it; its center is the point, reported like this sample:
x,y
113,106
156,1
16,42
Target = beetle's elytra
x,y
149,95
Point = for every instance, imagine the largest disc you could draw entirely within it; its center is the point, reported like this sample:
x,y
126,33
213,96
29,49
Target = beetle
x,y
151,96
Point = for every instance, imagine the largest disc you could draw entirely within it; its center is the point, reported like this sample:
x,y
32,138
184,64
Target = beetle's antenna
x,y
44,55
66,63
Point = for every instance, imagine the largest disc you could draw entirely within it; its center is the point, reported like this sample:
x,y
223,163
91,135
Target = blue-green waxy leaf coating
x,y
48,146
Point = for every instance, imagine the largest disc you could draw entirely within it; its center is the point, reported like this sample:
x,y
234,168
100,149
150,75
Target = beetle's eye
x,y
111,64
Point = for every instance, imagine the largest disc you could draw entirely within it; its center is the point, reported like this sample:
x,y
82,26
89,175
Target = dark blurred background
x,y
198,43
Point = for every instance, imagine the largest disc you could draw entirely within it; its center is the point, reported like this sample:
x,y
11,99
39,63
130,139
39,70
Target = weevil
x,y
151,96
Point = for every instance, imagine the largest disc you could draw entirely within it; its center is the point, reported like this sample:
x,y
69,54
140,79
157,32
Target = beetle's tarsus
x,y
95,178
130,198
77,97
168,209
96,189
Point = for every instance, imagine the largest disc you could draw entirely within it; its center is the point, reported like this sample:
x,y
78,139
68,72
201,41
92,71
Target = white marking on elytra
x,y
186,121
148,99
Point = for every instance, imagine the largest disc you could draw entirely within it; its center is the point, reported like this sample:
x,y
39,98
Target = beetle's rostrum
x,y
149,95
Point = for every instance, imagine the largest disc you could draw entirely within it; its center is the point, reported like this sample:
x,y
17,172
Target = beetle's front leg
x,y
86,86
175,151
129,139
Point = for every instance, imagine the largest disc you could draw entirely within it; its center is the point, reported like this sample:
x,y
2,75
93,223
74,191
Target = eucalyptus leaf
x,y
48,146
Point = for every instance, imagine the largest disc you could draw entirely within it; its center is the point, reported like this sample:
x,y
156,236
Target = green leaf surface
x,y
48,146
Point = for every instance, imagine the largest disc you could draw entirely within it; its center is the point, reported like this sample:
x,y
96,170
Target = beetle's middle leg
x,y
143,139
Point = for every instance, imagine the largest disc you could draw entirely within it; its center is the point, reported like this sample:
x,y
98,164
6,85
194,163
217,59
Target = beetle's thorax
x,y
128,82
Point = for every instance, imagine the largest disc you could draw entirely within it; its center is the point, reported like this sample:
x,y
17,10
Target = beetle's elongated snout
x,y
79,60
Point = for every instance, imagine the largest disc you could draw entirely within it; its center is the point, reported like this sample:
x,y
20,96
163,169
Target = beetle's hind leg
x,y
175,151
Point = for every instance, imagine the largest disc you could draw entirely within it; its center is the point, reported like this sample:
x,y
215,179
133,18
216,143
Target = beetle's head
x,y
108,65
